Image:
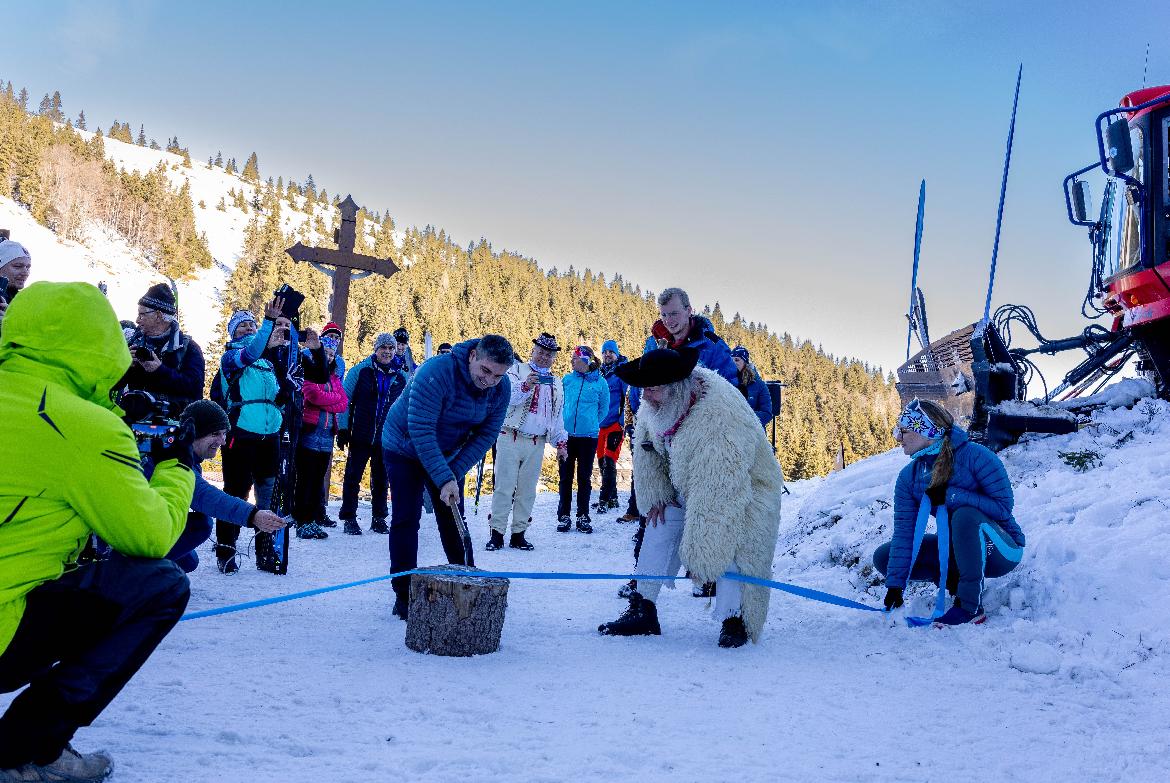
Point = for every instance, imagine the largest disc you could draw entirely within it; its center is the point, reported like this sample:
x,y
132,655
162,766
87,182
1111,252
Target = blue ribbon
x,y
803,592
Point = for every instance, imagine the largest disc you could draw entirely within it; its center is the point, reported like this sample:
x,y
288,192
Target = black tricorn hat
x,y
659,367
546,340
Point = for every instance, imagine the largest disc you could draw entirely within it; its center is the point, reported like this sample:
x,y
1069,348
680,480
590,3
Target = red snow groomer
x,y
976,374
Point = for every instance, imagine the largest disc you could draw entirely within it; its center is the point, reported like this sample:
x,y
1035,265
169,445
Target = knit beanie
x,y
741,352
610,345
331,328
385,338
10,250
160,297
206,416
238,317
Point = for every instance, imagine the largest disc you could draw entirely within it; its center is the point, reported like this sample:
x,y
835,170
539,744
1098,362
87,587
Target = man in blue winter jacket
x,y
439,427
677,325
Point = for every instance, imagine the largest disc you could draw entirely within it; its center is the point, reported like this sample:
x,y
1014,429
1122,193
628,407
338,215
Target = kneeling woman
x,y
965,487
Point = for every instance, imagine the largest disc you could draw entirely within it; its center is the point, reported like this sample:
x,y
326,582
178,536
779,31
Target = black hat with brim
x,y
659,367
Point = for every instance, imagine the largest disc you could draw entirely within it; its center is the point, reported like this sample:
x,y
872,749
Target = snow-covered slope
x,y
1094,506
105,257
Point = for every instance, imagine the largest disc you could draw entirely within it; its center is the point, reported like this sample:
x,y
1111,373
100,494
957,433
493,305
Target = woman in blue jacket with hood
x,y
752,386
586,403
966,488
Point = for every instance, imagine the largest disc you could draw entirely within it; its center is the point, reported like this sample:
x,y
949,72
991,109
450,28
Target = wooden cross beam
x,y
344,261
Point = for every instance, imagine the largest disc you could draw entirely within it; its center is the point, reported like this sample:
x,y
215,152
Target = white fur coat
x,y
721,463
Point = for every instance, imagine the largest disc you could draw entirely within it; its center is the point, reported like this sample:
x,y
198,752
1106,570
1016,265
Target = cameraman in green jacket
x,y
76,633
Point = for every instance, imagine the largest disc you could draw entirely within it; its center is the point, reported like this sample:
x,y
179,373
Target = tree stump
x,y
456,615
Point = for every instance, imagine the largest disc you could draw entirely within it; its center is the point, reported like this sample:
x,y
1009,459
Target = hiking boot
x,y
629,517
612,504
705,590
584,525
310,530
628,588
352,528
495,542
327,521
957,615
734,633
640,619
600,507
401,607
70,766
225,559
379,526
564,523
518,541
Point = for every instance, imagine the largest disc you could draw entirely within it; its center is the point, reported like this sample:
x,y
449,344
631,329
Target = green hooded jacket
x,y
69,466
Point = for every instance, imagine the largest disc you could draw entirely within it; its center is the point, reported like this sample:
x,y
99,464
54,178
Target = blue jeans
x,y
408,481
979,549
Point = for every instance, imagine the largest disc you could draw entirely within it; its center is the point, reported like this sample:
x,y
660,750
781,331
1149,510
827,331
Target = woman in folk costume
x,y
966,488
711,486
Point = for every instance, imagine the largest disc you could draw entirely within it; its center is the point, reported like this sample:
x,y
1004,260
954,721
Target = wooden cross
x,y
344,261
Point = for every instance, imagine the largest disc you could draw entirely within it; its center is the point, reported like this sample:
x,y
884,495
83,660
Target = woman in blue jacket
x,y
586,403
966,488
752,386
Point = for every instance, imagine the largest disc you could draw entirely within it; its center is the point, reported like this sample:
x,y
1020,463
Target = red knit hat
x,y
331,327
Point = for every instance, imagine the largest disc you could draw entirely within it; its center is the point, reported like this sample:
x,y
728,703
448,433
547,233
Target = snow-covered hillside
x,y
1066,681
105,257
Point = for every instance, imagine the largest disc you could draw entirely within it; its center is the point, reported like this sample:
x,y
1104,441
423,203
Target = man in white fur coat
x,y
705,471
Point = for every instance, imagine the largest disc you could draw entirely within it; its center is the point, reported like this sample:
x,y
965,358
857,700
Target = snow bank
x,y
1094,505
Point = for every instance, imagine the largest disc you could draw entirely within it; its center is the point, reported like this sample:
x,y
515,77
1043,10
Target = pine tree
x,y
219,158
251,171
55,112
80,124
141,141
230,167
45,107
22,101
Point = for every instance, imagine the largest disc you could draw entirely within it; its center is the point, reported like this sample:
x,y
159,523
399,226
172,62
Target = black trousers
x,y
81,639
311,469
355,466
247,462
408,481
582,452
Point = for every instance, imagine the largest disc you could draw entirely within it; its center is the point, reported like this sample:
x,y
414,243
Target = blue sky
x,y
765,155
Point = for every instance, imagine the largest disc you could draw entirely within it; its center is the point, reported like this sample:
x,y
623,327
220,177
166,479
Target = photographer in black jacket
x,y
167,364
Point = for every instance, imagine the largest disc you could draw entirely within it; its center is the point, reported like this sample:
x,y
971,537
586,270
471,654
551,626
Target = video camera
x,y
151,421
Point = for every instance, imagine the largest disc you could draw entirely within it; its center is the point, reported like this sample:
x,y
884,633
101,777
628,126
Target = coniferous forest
x,y
453,291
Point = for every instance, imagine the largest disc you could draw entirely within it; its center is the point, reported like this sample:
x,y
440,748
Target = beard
x,y
661,416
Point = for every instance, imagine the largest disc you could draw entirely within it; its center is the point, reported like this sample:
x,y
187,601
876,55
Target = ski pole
x,y
479,481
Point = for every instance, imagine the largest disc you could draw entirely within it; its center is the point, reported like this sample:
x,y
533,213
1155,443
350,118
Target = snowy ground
x,y
1065,682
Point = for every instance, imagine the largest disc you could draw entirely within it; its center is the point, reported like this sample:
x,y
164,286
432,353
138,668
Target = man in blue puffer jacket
x,y
678,325
966,488
586,403
441,425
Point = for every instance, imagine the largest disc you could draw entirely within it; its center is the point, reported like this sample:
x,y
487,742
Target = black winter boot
x,y
352,528
734,633
225,558
495,542
640,619
379,526
401,607
518,541
564,524
584,524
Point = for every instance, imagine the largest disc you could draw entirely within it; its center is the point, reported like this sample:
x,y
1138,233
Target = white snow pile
x,y
1021,408
1089,598
1123,394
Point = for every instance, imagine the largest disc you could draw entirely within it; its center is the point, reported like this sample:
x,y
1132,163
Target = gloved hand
x,y
893,598
176,445
342,439
937,495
